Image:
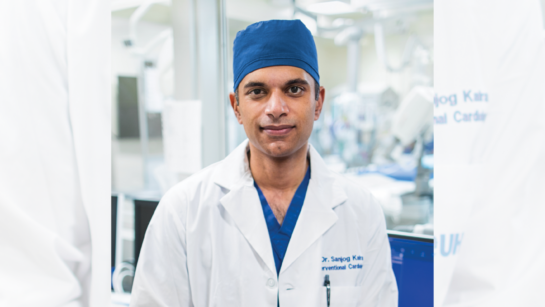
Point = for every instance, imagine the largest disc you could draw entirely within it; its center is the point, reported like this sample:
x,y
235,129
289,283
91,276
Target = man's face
x,y
277,107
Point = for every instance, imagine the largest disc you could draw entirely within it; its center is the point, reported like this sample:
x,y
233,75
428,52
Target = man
x,y
269,225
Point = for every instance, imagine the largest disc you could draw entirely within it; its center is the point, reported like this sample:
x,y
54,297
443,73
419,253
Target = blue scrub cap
x,y
274,43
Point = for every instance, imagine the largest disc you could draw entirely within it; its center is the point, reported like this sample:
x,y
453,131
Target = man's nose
x,y
276,106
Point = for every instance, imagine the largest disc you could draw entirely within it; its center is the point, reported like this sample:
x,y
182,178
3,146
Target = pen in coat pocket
x,y
327,285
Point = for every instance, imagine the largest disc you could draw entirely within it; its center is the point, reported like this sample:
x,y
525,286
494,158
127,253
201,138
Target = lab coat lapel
x,y
242,203
244,207
317,215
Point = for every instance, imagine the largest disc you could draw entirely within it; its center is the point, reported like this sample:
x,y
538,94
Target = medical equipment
x,y
155,60
359,126
414,115
413,122
144,207
143,212
113,229
123,277
122,271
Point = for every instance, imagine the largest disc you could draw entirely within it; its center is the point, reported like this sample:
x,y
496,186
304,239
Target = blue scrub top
x,y
280,235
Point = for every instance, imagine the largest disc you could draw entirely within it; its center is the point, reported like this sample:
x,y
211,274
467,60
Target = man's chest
x,y
340,252
279,202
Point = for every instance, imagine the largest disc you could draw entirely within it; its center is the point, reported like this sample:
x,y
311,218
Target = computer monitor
x,y
412,261
143,211
114,227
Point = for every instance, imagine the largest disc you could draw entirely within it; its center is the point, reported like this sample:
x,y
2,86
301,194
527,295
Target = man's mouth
x,y
277,130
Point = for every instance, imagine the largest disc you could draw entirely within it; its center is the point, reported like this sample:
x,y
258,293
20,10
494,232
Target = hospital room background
x,y
172,72
436,108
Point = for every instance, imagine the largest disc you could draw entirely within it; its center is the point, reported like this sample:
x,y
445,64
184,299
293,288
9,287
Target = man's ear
x,y
319,103
235,106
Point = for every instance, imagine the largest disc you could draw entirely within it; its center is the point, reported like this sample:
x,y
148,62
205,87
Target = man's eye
x,y
295,89
256,92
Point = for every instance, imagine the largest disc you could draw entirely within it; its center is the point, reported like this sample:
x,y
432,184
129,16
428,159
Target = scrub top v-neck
x,y
280,235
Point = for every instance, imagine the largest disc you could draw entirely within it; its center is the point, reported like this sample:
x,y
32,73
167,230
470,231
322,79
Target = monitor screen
x,y
412,261
143,211
114,227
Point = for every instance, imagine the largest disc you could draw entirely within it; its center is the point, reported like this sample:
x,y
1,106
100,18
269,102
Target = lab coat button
x,y
271,283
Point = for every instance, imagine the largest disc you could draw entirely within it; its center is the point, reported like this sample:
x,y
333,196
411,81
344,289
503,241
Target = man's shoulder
x,y
187,188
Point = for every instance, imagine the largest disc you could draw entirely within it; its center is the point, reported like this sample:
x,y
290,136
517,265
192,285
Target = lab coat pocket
x,y
228,293
342,296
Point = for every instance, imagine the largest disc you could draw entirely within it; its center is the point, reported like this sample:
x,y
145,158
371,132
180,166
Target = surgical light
x,y
308,21
330,8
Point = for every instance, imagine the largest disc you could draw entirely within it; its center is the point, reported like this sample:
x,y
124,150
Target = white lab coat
x,y
208,244
54,153
490,174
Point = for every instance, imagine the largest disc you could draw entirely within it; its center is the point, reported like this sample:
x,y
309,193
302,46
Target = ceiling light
x,y
330,8
309,22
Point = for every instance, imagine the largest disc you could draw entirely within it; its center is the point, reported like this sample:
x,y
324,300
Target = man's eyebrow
x,y
253,84
297,81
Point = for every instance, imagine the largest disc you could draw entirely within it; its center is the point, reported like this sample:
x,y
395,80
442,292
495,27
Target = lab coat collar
x,y
242,203
234,171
